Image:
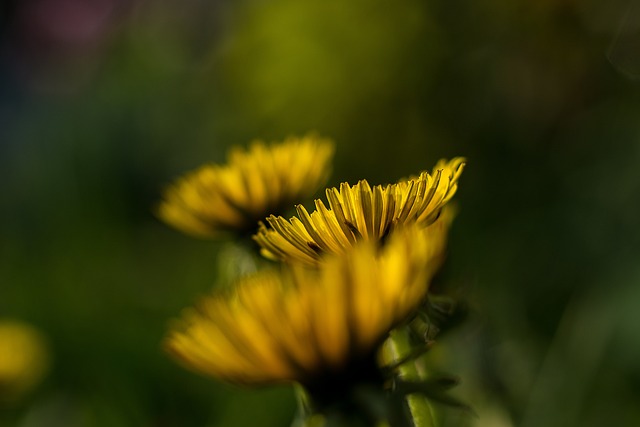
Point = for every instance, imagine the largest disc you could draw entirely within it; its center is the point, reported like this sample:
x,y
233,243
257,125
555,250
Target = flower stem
x,y
399,346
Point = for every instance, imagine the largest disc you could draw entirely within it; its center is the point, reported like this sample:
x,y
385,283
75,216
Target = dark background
x,y
104,102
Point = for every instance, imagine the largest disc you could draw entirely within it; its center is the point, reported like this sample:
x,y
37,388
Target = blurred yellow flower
x,y
359,212
24,359
253,184
320,327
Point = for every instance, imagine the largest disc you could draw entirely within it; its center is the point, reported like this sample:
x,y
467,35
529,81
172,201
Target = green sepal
x,y
434,390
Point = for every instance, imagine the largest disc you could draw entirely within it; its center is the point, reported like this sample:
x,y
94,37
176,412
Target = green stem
x,y
399,345
236,260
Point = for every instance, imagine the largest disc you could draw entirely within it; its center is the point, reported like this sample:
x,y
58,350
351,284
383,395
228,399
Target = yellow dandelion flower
x,y
23,359
318,327
254,183
359,212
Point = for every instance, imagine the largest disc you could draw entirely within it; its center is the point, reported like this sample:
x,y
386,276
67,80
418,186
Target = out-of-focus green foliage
x,y
102,105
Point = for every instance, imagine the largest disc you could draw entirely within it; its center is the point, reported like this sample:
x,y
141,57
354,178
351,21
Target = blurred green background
x,y
103,103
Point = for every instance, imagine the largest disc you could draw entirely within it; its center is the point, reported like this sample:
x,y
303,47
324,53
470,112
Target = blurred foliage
x,y
102,103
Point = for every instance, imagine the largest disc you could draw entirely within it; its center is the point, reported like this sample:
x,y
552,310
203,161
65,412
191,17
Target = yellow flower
x,y
256,182
23,359
319,327
359,212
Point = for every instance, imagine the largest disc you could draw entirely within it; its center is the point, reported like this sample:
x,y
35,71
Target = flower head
x,y
319,327
359,212
24,359
254,183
